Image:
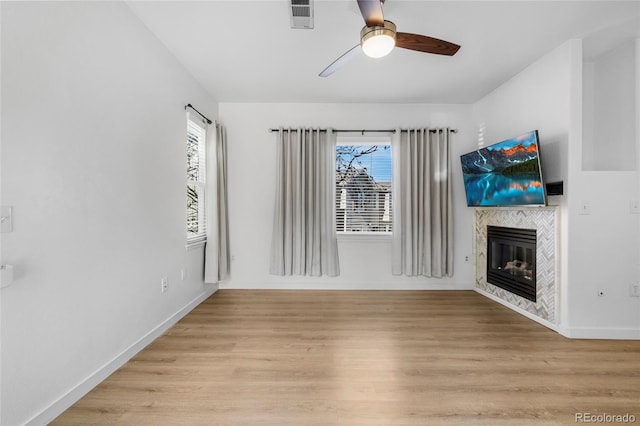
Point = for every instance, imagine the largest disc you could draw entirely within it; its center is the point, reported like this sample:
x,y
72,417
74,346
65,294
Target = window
x,y
363,185
196,223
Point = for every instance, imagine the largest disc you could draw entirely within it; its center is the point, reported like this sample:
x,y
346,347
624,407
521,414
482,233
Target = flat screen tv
x,y
505,174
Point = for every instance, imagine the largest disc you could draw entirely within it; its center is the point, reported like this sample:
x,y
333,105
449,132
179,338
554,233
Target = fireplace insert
x,y
511,260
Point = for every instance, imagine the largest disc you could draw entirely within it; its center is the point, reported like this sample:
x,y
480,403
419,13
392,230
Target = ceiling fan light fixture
x,y
378,41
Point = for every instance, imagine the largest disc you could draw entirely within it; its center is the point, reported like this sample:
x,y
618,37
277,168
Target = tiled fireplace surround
x,y
545,221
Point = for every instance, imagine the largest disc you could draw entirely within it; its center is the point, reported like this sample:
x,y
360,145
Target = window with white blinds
x,y
196,223
363,186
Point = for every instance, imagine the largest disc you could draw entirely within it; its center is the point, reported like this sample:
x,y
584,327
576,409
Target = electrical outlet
x,y
634,290
585,207
467,258
164,284
6,219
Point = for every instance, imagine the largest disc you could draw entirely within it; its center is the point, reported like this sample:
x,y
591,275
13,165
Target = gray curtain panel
x,y
304,237
217,258
422,205
224,257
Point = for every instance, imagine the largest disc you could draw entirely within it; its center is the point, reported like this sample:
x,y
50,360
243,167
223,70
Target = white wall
x,y
604,243
93,155
610,110
363,264
536,98
599,250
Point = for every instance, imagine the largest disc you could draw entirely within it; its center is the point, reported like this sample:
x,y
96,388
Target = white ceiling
x,y
245,51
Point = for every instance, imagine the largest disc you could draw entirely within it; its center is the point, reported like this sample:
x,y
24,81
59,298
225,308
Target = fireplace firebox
x,y
511,260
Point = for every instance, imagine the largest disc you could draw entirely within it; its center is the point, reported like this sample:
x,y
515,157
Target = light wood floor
x,y
363,357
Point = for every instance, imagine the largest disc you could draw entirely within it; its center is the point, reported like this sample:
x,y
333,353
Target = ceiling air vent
x,y
301,14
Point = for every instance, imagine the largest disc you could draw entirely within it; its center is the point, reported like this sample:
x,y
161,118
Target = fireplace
x,y
511,260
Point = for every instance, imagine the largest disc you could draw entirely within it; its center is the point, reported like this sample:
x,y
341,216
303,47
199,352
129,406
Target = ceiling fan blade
x,y
425,44
338,63
371,11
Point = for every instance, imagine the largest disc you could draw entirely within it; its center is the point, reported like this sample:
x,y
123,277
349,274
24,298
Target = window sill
x,y
192,245
363,236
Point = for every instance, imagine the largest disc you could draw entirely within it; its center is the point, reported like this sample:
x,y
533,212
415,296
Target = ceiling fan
x,y
379,37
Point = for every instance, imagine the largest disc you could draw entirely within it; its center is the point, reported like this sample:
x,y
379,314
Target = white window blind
x,y
363,186
196,174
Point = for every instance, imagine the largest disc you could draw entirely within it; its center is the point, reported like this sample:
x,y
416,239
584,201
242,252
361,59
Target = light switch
x,y
6,275
585,207
6,219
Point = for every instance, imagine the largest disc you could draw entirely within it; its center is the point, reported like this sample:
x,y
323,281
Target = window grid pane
x,y
192,210
363,188
193,158
195,227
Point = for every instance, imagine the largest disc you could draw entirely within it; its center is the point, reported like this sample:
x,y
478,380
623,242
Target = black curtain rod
x,y
371,131
201,114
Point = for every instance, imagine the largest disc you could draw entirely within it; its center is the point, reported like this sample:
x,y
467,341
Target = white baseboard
x,y
572,332
601,333
519,310
309,285
94,379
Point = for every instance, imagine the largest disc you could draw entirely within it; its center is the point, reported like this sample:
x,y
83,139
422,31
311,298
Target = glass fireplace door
x,y
511,260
